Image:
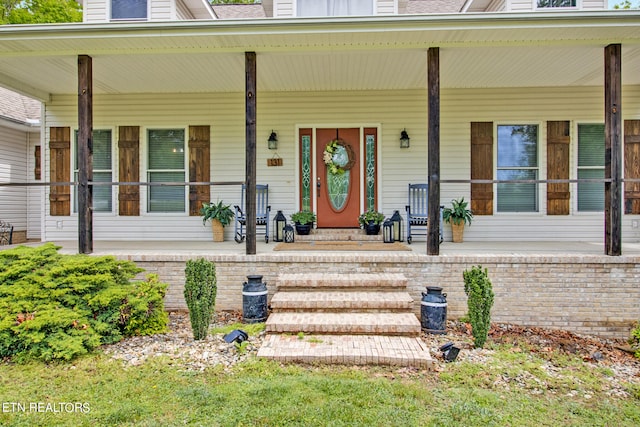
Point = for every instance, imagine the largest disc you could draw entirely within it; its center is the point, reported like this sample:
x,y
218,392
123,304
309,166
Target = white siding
x,y
34,194
386,7
392,111
162,10
95,11
520,5
594,4
284,8
13,169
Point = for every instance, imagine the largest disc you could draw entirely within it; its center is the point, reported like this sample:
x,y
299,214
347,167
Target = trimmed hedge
x,y
58,307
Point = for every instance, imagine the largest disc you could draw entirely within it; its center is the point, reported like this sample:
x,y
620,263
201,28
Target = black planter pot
x,y
372,229
303,229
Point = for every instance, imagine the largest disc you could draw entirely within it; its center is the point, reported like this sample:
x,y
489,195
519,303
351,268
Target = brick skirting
x,y
587,294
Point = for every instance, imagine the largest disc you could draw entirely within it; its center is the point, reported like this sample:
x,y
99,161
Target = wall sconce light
x,y
272,143
404,139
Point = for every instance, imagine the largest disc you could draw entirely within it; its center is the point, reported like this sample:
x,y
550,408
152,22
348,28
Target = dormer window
x,y
556,3
129,10
334,7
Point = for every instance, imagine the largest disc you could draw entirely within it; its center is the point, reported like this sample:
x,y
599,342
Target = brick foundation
x,y
587,294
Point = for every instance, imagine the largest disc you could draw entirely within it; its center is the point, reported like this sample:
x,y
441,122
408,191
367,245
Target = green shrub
x,y
200,294
479,292
635,340
55,306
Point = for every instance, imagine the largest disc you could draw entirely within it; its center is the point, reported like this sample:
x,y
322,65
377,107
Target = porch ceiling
x,y
502,50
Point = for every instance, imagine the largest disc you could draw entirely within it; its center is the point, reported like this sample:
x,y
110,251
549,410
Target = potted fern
x,y
304,221
371,221
220,216
457,215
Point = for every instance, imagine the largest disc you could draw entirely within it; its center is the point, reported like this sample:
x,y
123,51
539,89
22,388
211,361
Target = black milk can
x,y
434,310
254,300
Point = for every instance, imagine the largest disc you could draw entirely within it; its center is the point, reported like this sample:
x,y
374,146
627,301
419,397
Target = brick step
x,y
405,324
355,301
341,280
338,234
347,350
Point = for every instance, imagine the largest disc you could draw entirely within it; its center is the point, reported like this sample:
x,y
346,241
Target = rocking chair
x,y
418,211
262,213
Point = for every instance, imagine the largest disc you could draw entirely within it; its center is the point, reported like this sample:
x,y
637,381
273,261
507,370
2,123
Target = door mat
x,y
351,245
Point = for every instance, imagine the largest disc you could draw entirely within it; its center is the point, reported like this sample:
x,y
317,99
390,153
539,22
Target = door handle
x,y
318,186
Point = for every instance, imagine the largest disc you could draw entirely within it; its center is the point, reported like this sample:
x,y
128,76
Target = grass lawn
x,y
512,389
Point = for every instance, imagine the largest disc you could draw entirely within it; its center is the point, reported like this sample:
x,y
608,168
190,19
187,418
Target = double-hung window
x,y
591,166
517,160
334,7
102,170
129,10
166,163
556,3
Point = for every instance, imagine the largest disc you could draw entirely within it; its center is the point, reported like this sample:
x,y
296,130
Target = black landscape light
x,y
237,335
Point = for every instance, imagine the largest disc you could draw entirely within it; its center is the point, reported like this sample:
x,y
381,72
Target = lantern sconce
x,y
404,139
272,143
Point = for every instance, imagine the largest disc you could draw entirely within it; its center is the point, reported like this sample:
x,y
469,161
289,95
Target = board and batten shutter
x,y
632,166
558,142
129,170
199,167
482,167
60,170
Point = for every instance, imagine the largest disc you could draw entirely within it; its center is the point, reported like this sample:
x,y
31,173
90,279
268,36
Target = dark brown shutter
x,y
38,163
129,170
199,168
558,139
482,167
632,166
60,170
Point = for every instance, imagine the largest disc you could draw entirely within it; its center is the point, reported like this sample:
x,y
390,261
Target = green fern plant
x,y
457,213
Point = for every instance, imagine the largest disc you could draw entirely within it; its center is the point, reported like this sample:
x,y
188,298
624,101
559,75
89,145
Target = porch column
x,y
250,156
433,149
85,154
613,149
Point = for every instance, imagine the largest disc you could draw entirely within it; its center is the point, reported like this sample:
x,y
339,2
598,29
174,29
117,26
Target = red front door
x,y
338,177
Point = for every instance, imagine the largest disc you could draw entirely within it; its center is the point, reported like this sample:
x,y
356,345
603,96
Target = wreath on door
x,y
338,162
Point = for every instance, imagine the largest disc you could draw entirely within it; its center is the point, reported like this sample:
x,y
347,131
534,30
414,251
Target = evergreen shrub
x,y
200,290
58,307
480,296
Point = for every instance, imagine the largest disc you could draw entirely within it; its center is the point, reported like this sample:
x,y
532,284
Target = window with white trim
x,y
591,166
129,10
102,195
556,3
517,160
334,7
166,163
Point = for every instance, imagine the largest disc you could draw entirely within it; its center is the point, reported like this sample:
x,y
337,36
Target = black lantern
x,y
272,143
278,226
289,234
396,219
387,231
404,139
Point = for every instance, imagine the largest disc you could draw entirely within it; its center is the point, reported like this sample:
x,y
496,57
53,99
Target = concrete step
x,y
341,280
405,324
347,350
356,301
